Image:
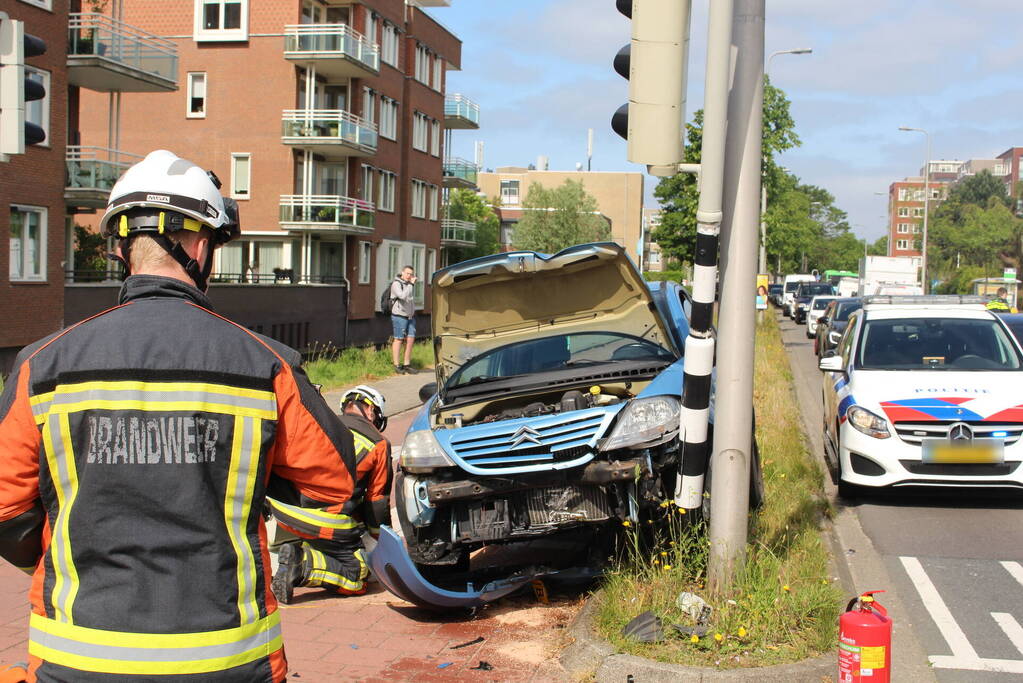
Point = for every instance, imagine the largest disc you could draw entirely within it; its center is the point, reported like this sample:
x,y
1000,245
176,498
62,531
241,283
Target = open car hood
x,y
496,300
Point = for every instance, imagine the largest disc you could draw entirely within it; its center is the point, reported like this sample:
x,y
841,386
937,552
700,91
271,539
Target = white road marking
x,y
943,619
1015,569
1011,627
963,655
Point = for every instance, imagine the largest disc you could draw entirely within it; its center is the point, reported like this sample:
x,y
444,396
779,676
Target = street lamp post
x,y
927,197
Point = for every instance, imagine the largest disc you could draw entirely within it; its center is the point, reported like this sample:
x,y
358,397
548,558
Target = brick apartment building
x,y
326,120
619,197
906,205
32,219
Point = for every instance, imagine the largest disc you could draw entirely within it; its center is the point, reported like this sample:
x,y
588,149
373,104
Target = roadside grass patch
x,y
333,367
784,605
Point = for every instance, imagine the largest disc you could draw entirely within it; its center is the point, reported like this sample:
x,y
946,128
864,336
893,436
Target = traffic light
x,y
15,88
655,64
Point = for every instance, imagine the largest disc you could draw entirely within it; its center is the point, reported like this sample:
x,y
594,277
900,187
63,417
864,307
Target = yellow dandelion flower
x,y
665,504
667,567
681,511
742,632
664,553
626,523
694,638
718,637
786,588
671,543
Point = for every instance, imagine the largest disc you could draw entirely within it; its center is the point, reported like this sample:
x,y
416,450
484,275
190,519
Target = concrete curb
x,y
589,656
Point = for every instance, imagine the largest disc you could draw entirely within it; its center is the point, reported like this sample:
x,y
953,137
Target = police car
x,y
924,391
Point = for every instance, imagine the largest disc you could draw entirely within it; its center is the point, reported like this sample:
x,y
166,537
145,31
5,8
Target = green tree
x,y
679,196
879,247
553,219
90,251
466,205
978,189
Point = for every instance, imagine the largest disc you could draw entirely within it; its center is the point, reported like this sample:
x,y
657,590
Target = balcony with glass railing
x,y
334,133
107,55
336,49
455,233
327,213
91,174
460,112
460,173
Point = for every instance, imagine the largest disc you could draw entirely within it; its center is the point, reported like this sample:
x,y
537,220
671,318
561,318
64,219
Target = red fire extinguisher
x,y
865,642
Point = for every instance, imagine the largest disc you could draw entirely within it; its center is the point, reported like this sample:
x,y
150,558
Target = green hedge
x,y
675,275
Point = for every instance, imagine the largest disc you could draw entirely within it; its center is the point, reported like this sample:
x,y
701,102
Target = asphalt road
x,y
955,560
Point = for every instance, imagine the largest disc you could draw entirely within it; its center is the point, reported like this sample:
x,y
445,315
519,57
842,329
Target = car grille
x,y
948,470
561,438
915,432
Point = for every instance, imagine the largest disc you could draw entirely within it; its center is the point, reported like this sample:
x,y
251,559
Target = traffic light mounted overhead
x,y
15,88
655,63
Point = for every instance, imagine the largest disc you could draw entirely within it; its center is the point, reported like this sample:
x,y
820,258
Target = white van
x,y
791,282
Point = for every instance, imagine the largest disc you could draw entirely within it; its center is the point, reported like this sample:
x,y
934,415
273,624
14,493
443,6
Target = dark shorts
x,y
403,327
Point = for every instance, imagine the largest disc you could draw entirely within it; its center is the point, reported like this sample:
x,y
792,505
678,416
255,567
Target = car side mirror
x,y
426,391
831,364
823,320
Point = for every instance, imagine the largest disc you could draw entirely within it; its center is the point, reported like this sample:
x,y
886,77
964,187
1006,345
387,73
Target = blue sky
x,y
541,72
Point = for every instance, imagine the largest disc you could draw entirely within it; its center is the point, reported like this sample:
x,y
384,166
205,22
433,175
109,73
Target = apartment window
x,y
196,92
386,202
902,244
393,260
388,118
935,193
435,138
916,229
918,212
903,212
221,20
369,105
438,71
422,64
389,44
28,244
371,25
431,264
367,182
417,265
420,131
433,196
365,259
241,165
510,192
45,4
418,199
38,111
903,228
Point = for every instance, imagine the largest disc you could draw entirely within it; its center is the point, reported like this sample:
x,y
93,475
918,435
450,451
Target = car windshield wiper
x,y
482,379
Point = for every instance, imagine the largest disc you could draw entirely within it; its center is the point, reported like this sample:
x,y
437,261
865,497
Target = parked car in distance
x,y
790,283
815,311
832,324
923,391
554,419
804,293
774,294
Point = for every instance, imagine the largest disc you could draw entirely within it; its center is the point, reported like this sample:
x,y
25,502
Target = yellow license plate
x,y
943,452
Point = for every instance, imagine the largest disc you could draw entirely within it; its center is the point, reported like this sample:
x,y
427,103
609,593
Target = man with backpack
x,y
401,298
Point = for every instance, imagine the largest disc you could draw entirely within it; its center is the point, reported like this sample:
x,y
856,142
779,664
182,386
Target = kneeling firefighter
x,y
330,552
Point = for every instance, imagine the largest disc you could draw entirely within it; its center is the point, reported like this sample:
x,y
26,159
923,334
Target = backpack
x,y
386,300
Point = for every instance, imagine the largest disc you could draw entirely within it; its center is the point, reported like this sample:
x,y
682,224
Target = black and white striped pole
x,y
699,351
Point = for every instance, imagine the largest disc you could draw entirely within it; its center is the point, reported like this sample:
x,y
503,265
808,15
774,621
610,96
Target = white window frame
x,y
389,44
372,19
438,70
431,264
365,262
420,131
418,255
903,228
506,198
190,78
237,192
43,104
42,4
916,229
422,65
388,180
388,127
418,203
368,175
203,35
903,212
902,244
369,105
19,274
435,137
918,212
433,200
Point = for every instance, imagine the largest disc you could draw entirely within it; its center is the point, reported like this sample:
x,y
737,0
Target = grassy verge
x,y
783,606
334,367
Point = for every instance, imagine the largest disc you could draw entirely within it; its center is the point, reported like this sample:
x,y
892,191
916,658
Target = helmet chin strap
x,y
199,274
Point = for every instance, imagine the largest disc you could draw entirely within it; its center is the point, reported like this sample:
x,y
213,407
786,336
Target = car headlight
x,y
422,453
867,422
833,337
645,422
804,306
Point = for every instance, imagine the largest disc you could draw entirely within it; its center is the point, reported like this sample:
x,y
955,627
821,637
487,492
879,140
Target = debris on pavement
x,y
645,627
698,631
482,666
540,591
468,643
694,606
444,665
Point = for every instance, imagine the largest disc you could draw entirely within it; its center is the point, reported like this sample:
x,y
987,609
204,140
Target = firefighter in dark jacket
x,y
135,452
330,552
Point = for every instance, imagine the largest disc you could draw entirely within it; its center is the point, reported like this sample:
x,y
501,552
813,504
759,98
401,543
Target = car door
x,y
822,330
844,350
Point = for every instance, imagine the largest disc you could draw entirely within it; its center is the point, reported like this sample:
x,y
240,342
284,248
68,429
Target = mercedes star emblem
x,y
960,431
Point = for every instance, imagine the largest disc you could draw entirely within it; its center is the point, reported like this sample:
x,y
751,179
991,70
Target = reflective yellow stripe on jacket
x,y
113,652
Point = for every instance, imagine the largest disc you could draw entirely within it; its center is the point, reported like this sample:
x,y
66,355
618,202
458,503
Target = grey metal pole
x,y
927,198
733,422
699,346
